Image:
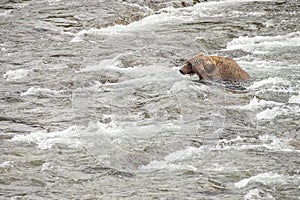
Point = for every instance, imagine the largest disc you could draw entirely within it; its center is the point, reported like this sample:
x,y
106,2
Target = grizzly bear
x,y
215,68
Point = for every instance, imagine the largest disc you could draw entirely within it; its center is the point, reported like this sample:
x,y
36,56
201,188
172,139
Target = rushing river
x,y
93,106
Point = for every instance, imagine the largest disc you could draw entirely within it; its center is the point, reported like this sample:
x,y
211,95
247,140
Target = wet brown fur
x,y
215,68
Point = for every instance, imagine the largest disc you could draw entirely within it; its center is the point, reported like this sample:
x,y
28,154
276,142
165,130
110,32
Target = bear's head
x,y
187,69
192,64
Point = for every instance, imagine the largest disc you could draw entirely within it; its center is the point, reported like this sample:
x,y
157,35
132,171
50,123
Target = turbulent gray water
x,y
93,106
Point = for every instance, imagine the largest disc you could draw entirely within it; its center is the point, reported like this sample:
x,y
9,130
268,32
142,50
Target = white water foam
x,y
272,142
295,99
262,65
213,8
145,24
7,164
257,194
269,114
136,75
45,141
44,92
265,44
179,86
16,74
172,161
266,141
73,137
238,143
265,178
104,64
54,1
165,17
46,166
273,84
110,129
256,103
270,81
6,13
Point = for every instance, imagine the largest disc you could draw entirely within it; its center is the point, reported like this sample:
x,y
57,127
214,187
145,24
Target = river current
x,y
93,106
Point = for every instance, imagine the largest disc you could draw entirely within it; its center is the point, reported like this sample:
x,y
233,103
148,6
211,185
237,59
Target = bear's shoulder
x,y
224,61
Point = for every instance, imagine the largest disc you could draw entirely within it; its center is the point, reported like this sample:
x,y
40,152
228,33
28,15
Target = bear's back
x,y
229,69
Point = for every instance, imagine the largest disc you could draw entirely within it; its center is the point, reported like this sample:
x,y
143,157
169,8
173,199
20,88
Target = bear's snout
x,y
185,69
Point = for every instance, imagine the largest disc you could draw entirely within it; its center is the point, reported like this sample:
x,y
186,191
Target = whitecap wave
x,y
172,161
295,99
16,74
46,166
214,8
266,141
258,65
270,81
163,18
269,114
145,24
73,137
104,64
7,164
272,142
265,44
42,92
257,194
45,141
256,103
6,13
267,178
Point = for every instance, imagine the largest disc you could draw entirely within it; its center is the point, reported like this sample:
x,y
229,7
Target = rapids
x,y
93,106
